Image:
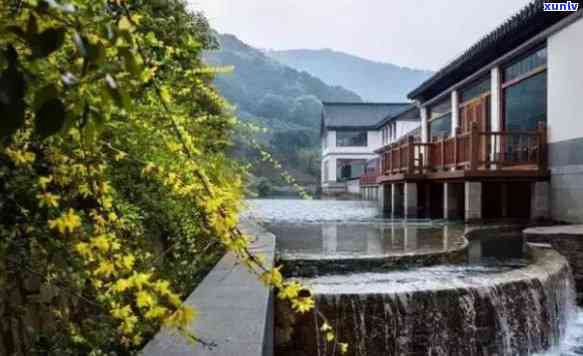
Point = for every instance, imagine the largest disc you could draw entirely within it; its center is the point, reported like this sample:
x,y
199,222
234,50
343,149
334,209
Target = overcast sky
x,y
422,34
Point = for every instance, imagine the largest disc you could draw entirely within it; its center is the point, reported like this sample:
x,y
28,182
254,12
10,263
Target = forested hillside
x,y
373,81
284,100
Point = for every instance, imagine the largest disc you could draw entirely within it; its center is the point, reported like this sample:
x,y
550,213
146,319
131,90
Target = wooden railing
x,y
473,150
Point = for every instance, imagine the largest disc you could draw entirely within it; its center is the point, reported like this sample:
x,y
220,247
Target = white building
x,y
351,133
501,131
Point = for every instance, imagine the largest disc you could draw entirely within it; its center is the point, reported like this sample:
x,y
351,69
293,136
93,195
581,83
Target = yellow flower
x,y
272,277
138,280
43,182
162,287
302,305
105,269
83,249
329,337
181,317
48,200
101,242
343,347
128,261
121,285
156,313
20,157
144,299
67,222
290,291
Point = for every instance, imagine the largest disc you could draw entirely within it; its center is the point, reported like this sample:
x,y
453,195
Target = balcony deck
x,y
473,155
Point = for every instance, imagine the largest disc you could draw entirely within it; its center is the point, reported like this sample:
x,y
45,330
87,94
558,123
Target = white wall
x,y
374,139
565,83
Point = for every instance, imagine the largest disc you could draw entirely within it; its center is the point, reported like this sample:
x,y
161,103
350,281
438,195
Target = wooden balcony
x,y
473,154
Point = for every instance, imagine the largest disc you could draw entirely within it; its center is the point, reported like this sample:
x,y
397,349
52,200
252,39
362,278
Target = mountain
x,y
273,93
373,81
284,100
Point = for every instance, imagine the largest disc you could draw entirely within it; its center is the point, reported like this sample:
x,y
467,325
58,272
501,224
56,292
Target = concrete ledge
x,y
235,310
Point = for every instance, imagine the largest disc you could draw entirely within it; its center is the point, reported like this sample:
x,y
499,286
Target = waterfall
x,y
524,314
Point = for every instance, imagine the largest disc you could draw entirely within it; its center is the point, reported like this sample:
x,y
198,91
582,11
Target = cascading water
x,y
520,310
394,288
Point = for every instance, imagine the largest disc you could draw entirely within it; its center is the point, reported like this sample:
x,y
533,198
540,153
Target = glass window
x,y
351,138
349,168
526,65
440,126
526,103
440,109
475,89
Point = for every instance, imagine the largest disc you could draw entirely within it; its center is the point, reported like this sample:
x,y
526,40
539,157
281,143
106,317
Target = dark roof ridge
x,y
527,16
363,103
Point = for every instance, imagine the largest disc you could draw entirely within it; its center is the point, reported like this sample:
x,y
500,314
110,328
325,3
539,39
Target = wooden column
x,y
474,146
411,155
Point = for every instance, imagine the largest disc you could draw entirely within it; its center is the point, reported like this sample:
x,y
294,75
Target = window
x,y
526,65
347,169
440,126
440,109
525,92
351,138
440,119
476,89
526,103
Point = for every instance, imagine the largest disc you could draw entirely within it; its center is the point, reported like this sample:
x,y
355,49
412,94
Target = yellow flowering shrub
x,y
117,190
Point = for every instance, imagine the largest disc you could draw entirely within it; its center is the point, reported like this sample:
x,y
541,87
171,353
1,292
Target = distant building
x,y
351,133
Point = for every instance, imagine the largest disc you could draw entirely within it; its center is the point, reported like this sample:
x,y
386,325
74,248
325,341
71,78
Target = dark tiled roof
x,y
529,22
409,113
358,115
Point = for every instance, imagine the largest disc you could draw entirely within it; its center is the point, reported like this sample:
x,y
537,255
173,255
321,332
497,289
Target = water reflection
x,y
335,240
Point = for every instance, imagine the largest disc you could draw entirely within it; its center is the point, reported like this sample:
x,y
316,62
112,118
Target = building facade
x,y
350,134
501,130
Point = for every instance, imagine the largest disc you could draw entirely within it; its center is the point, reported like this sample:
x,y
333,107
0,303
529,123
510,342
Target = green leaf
x,y
94,53
47,42
131,62
51,117
119,96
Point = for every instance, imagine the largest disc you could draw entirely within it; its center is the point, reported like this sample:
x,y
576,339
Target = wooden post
x,y
411,155
542,148
442,148
474,146
458,132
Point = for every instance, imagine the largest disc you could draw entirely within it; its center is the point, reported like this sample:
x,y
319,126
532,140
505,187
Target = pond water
x,y
328,230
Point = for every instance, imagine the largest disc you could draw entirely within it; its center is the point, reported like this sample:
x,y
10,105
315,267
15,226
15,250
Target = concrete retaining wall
x,y
235,309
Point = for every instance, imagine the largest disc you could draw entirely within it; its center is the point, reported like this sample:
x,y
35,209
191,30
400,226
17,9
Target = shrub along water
x,y
116,191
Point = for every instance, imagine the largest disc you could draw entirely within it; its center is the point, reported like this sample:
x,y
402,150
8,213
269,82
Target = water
x,y
333,240
492,303
295,210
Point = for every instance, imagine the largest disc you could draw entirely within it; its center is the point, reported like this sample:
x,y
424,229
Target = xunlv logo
x,y
561,6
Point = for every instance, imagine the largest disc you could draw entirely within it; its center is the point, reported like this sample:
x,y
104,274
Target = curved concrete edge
x,y
545,264
569,230
568,241
311,265
235,309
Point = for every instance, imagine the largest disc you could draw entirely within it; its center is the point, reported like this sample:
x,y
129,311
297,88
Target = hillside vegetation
x,y
286,101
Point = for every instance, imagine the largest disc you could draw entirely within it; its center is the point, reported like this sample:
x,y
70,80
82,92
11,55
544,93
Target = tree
x,y
114,174
273,106
307,110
